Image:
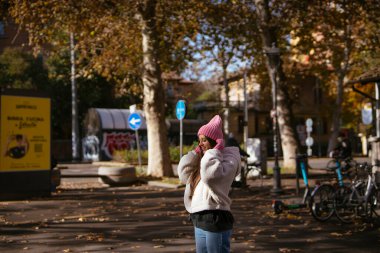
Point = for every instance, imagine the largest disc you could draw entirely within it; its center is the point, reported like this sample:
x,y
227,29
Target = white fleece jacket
x,y
218,170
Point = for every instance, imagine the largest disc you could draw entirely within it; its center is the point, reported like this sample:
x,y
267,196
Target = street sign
x,y
180,109
309,122
309,139
134,121
367,114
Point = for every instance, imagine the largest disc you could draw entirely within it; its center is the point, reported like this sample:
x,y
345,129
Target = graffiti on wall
x,y
90,146
117,142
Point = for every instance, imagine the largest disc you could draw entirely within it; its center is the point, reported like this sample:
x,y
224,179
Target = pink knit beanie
x,y
213,129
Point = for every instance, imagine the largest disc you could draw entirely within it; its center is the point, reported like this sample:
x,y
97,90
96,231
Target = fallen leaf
x,y
287,250
336,234
292,217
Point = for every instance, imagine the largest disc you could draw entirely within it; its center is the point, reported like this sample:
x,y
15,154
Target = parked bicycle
x,y
248,171
254,171
324,197
346,164
360,199
319,201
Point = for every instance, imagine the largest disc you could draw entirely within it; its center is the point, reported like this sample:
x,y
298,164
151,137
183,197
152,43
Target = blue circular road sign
x,y
134,121
180,109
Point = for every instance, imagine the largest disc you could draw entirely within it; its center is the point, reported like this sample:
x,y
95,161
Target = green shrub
x,y
175,152
131,156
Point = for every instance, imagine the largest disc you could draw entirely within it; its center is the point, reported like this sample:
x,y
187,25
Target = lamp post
x,y
74,104
273,53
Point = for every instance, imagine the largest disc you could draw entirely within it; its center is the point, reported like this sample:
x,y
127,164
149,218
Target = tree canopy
x,y
130,43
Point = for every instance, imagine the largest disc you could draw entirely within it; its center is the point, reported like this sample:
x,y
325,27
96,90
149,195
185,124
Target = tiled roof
x,y
234,76
171,76
367,77
186,82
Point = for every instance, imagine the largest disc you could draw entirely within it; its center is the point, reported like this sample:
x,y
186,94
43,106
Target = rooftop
x,y
367,77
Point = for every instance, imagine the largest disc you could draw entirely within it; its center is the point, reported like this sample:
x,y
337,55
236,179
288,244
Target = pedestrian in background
x,y
343,148
232,142
208,172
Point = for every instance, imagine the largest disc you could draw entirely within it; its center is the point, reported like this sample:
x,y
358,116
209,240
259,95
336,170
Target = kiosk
x,y
25,150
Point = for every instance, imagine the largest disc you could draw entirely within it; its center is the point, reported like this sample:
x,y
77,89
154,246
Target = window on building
x,y
170,90
263,124
241,124
318,95
2,30
325,127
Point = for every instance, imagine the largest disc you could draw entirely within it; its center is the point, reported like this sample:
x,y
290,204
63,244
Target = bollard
x,y
114,176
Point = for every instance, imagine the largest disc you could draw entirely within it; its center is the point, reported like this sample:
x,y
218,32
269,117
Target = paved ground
x,y
85,216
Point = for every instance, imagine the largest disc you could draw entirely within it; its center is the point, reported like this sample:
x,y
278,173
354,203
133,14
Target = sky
x,y
204,65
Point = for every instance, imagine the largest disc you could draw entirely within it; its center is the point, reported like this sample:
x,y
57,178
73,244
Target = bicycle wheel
x,y
375,202
322,202
350,168
349,163
345,210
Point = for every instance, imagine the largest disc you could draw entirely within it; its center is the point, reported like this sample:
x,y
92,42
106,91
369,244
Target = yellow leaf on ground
x,y
287,250
336,234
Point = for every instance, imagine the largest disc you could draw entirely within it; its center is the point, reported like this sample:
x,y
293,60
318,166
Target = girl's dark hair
x,y
195,177
211,141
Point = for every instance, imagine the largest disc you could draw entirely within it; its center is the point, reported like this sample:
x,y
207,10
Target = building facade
x,y
311,103
12,36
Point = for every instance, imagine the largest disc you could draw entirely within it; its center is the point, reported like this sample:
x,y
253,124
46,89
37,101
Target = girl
x,y
208,172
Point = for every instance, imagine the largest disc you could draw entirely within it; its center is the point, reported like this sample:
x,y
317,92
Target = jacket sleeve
x,y
220,167
186,166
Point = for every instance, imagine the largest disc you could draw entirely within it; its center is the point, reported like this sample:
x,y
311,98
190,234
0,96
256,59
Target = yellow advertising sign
x,y
25,133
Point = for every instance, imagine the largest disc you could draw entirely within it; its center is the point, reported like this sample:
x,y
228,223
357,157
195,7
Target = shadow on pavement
x,y
150,219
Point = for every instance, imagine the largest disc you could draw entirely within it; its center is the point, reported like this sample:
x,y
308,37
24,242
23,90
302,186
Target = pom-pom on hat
x,y
213,129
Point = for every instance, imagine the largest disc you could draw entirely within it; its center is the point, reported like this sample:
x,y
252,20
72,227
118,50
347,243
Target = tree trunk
x,y
337,114
226,111
159,163
289,140
341,71
274,67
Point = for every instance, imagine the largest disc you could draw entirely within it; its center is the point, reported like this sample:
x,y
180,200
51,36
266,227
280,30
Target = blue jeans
x,y
212,242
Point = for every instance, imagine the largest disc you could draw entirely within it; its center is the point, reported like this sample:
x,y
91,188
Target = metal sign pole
x,y
245,110
138,147
377,90
180,138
